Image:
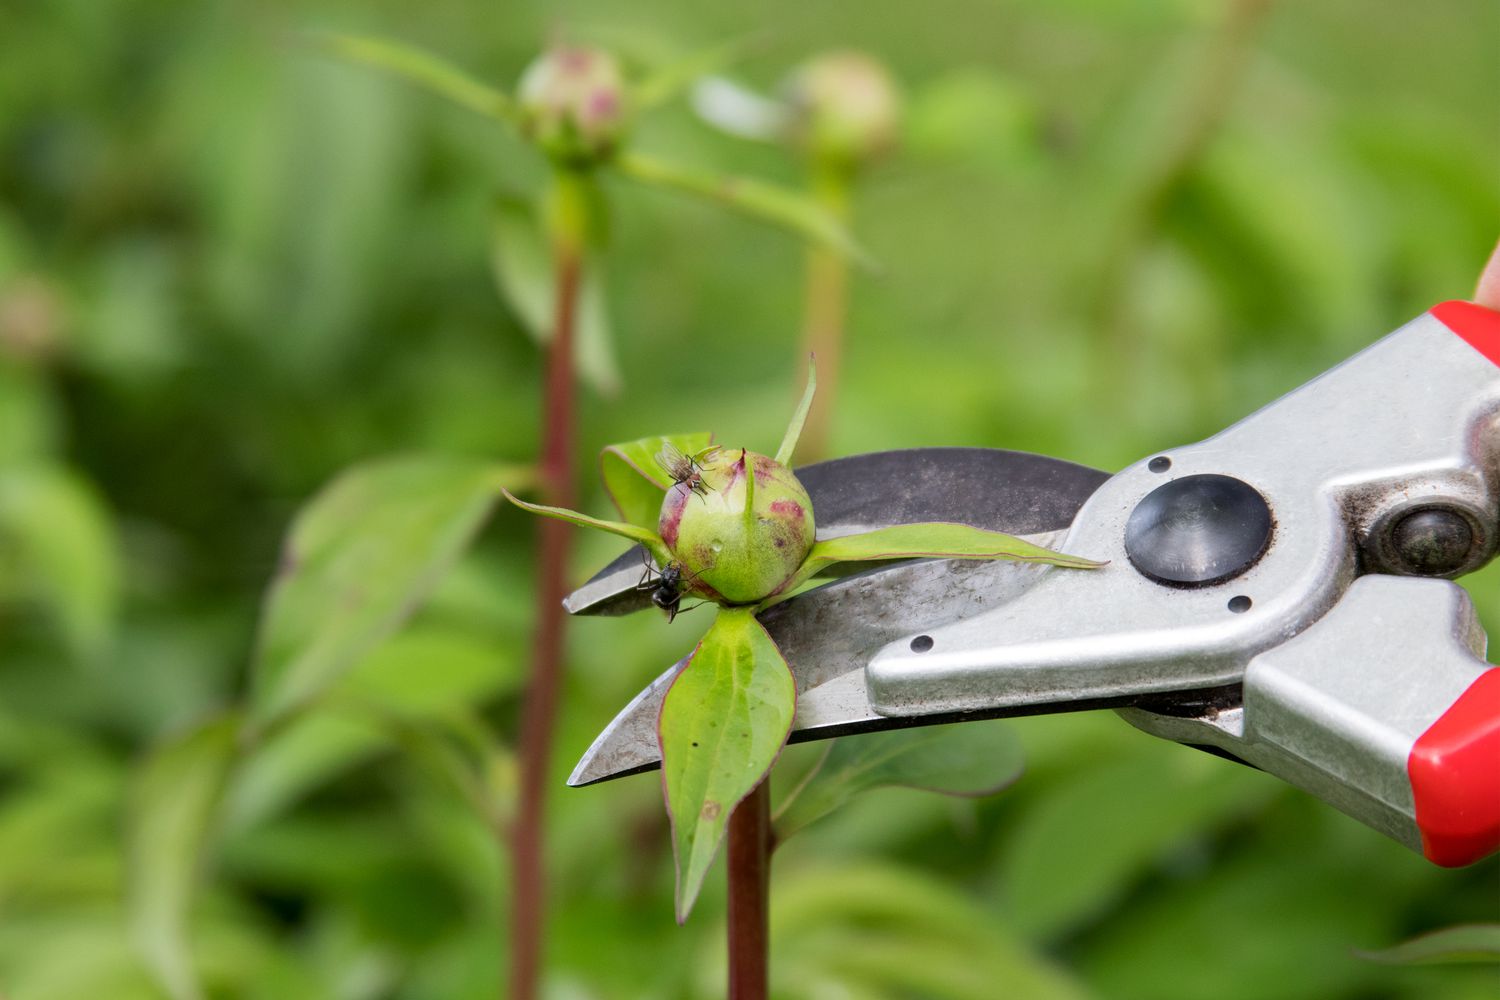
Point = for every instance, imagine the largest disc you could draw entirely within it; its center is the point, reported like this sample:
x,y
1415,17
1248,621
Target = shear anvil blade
x,y
827,636
1011,491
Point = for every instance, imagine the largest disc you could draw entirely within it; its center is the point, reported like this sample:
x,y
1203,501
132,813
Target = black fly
x,y
667,586
685,469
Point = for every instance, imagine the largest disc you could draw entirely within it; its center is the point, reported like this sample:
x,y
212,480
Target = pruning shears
x,y
1280,593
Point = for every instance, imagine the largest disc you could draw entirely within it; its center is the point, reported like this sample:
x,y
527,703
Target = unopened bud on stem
x,y
845,107
744,532
573,104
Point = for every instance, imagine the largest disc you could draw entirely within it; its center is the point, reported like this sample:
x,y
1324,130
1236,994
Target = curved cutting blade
x,y
829,634
1011,491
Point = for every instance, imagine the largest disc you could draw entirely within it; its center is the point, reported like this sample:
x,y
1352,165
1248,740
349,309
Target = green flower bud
x,y
845,107
731,555
573,104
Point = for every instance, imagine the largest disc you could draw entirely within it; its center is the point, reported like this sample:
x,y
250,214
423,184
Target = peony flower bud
x,y
572,101
845,106
732,556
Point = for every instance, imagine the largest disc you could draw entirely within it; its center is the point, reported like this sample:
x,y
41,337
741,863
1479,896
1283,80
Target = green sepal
x,y
794,429
931,540
649,539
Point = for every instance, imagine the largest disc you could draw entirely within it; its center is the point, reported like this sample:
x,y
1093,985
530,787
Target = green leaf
x,y
526,275
757,199
1059,874
635,481
424,673
57,547
649,539
423,69
903,932
969,759
360,557
1462,943
723,722
170,822
794,429
932,540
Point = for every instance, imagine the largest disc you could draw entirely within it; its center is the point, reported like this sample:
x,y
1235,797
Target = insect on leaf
x,y
723,723
969,759
358,560
635,481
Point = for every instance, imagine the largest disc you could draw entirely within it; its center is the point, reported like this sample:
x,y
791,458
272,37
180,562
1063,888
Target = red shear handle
x,y
1455,776
1455,765
1478,326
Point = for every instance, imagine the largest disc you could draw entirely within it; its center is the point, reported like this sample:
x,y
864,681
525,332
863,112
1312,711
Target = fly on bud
x,y
685,470
572,103
746,533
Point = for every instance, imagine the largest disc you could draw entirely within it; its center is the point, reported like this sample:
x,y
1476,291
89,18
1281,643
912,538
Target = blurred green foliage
x,y
230,267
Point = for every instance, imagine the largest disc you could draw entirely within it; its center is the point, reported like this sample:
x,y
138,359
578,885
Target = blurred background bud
x,y
845,107
572,101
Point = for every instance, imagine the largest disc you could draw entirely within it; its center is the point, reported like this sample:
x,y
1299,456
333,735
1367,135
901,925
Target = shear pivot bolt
x,y
1198,530
1433,542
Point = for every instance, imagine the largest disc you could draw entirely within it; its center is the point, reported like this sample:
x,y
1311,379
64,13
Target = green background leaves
x,y
359,559
269,265
976,758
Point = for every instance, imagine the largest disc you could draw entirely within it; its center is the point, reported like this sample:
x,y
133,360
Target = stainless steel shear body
x,y
1279,593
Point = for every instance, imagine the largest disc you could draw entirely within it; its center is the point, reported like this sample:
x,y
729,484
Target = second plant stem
x,y
826,309
567,223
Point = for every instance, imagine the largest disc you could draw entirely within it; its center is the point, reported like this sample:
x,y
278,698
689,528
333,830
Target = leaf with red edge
x,y
723,723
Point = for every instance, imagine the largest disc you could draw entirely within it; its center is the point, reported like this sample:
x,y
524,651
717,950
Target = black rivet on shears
x,y
1198,530
1433,541
921,644
1160,463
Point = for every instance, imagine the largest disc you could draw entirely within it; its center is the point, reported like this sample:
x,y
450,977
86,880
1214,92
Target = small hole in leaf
x,y
1239,605
1160,463
921,644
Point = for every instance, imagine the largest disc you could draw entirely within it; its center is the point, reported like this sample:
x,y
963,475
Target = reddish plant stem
x,y
539,708
750,894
